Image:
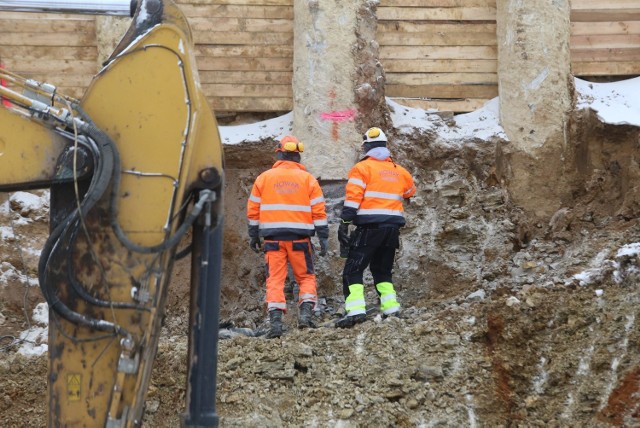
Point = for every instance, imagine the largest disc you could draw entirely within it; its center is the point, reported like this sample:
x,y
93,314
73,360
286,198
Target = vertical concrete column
x,y
325,110
534,69
535,88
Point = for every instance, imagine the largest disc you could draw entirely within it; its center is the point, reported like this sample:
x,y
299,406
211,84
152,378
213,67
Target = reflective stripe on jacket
x,y
286,200
375,192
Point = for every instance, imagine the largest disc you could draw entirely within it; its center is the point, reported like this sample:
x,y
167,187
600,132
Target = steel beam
x,y
95,7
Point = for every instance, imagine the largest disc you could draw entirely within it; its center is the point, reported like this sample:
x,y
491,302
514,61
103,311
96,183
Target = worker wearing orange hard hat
x,y
286,208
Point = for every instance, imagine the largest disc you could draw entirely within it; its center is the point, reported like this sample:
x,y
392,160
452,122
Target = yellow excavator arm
x,y
132,166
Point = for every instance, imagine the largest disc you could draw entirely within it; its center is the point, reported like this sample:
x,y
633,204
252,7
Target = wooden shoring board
x,y
255,104
46,16
457,38
607,41
436,13
454,105
605,55
453,78
602,28
46,39
237,11
247,77
436,27
246,51
242,38
247,90
43,53
244,64
438,3
605,15
249,25
51,67
238,2
619,68
603,5
47,26
438,52
442,91
441,66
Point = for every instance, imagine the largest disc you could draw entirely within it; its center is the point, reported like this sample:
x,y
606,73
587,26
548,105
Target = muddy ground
x,y
508,320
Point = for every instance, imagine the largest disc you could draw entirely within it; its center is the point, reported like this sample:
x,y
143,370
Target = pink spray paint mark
x,y
339,116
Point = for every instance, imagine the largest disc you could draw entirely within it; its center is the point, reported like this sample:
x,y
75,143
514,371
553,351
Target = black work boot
x,y
350,321
306,313
275,321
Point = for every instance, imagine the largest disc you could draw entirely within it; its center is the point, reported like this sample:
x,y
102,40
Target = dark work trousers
x,y
374,247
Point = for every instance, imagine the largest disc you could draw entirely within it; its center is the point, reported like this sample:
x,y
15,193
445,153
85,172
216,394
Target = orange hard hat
x,y
289,143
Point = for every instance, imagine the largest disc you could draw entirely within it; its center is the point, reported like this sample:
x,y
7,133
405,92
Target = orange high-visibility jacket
x,y
375,192
287,201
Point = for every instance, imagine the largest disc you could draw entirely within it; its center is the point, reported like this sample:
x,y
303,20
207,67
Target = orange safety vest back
x,y
286,201
375,192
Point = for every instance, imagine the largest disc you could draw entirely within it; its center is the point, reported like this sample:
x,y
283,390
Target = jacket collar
x,y
288,165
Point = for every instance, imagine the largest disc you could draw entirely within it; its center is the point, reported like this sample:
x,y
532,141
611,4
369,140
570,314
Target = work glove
x,y
324,244
344,238
255,244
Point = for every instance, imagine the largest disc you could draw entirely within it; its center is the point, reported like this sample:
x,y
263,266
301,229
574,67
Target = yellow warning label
x,y
73,387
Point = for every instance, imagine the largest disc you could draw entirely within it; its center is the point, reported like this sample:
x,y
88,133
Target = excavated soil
x,y
508,320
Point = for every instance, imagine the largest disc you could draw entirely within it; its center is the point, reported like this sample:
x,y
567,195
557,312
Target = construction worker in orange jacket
x,y
286,208
375,191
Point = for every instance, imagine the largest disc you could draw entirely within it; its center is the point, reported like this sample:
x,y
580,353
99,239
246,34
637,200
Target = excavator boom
x,y
132,166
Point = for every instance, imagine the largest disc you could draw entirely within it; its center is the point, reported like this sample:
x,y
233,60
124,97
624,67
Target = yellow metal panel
x,y
148,100
28,151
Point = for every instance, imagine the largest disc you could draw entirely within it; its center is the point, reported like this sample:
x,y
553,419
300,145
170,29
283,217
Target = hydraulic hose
x,y
99,183
63,310
81,290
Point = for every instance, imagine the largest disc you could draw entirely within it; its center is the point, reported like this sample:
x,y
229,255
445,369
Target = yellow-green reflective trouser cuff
x,y
354,304
388,302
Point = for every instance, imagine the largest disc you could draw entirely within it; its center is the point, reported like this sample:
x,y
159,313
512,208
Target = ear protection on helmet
x,y
290,144
374,135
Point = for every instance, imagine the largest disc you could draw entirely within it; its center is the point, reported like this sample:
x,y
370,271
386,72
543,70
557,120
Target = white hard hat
x,y
374,135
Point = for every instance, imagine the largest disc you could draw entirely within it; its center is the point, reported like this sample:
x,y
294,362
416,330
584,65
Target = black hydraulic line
x,y
56,305
184,252
99,184
203,339
77,287
81,290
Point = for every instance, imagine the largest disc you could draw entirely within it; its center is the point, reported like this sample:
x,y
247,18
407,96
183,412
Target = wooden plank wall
x,y
605,37
442,54
437,54
56,48
244,51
